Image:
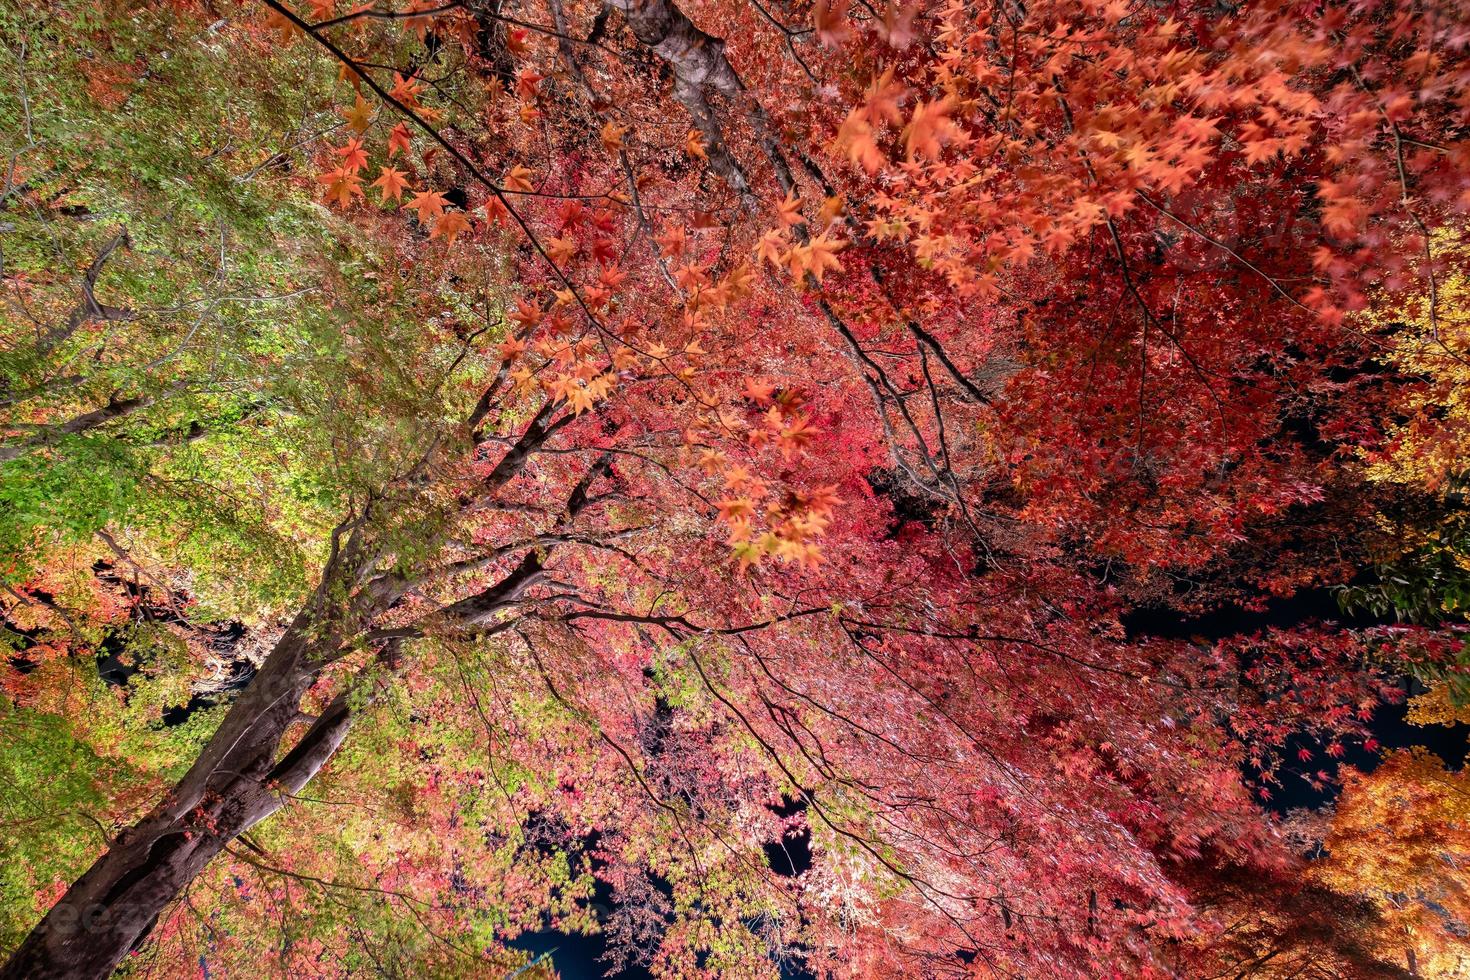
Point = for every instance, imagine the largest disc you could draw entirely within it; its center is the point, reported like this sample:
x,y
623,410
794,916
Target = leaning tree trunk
x,y
239,779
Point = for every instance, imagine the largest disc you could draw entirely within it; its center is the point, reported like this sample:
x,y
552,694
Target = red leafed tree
x,y
865,363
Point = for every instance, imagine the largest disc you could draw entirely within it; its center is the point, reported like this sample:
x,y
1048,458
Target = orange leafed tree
x,y
1400,838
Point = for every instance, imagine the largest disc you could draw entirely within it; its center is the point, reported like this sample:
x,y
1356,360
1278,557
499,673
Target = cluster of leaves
x,y
576,382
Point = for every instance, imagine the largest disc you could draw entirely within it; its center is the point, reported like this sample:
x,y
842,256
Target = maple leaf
x,y
612,277
518,179
1261,150
882,101
390,183
342,185
580,399
612,136
571,214
526,313
605,250
820,255
788,211
524,379
528,84
429,204
690,275
736,477
897,25
830,211
285,29
772,247
561,250
358,115
736,508
346,73
830,19
511,348
856,136
1197,129
759,392
626,359
797,260
821,500
496,212
739,281
694,145
354,157
672,240
712,461
449,225
795,435
399,140
930,128
406,90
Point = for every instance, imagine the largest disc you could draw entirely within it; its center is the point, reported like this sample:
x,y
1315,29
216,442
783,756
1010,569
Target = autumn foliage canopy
x,y
792,490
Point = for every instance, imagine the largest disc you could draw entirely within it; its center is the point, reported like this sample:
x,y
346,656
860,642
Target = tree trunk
x,y
237,781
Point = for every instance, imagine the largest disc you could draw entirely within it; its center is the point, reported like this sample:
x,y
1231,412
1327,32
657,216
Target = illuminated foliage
x,y
462,463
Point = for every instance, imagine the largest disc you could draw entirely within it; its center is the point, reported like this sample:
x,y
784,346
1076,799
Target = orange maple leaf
x,y
738,283
429,204
897,26
712,461
694,145
449,225
391,184
672,240
282,25
342,186
511,348
830,211
526,313
406,90
561,250
612,136
821,255
772,247
528,84
930,128
788,212
736,508
398,140
354,157
830,19
856,136
518,179
795,436
759,392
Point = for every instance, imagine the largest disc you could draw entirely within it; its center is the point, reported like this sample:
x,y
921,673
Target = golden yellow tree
x,y
1401,839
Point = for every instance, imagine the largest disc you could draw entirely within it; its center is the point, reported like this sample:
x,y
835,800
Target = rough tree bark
x,y
239,778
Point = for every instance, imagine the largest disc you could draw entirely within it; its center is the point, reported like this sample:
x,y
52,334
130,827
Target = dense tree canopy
x,y
714,473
